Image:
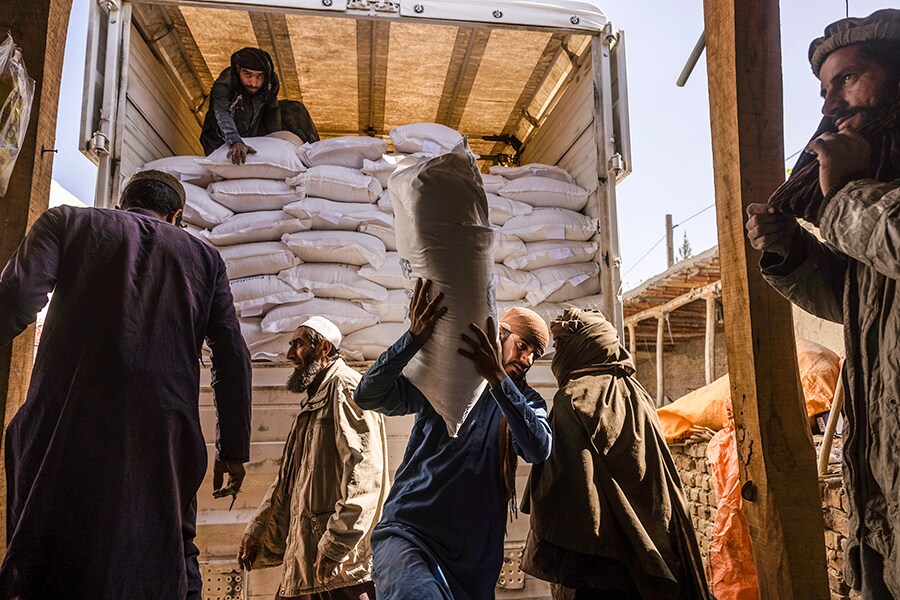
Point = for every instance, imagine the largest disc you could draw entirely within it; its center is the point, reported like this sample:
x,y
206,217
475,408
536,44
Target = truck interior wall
x,y
566,136
158,121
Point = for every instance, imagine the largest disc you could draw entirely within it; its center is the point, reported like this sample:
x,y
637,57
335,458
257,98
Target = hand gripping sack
x,y
443,234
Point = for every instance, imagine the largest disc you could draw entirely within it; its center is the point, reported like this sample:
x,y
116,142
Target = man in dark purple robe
x,y
104,459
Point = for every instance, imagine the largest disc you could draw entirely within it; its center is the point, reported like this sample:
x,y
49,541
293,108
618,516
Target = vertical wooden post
x,y
660,365
39,28
632,339
710,339
777,459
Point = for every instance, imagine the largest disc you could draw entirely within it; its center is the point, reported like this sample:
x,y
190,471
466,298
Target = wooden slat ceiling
x,y
367,76
686,322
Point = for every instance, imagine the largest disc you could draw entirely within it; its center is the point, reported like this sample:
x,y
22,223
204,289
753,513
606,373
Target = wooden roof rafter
x,y
164,40
541,70
373,39
464,64
272,35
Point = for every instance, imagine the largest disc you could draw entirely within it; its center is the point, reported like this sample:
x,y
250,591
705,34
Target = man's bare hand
x,y
486,352
236,474
769,230
248,552
424,313
238,153
843,157
326,568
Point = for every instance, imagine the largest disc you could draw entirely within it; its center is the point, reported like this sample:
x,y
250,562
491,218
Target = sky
x,y
670,138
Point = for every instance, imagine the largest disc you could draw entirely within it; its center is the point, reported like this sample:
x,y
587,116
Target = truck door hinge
x,y
616,163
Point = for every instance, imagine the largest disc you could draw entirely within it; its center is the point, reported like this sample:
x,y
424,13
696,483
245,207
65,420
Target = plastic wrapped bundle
x,y
443,235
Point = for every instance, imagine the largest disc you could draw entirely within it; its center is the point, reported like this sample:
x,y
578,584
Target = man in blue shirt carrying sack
x,y
441,534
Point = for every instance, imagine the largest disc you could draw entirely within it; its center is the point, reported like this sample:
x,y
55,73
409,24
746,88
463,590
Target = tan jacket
x,y
854,279
329,491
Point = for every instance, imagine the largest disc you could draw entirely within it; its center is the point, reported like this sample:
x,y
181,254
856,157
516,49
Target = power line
x,y
659,241
644,256
694,215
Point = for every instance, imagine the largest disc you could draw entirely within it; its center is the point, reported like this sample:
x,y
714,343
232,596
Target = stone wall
x,y
690,459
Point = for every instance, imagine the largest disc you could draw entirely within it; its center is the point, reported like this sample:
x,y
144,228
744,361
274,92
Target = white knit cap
x,y
325,328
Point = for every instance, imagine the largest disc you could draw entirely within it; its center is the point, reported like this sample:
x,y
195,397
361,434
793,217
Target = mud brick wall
x,y
690,459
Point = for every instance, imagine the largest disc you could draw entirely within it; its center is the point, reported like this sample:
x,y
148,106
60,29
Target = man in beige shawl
x,y
608,517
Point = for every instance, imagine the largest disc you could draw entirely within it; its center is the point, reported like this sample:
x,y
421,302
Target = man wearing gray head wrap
x,y
847,184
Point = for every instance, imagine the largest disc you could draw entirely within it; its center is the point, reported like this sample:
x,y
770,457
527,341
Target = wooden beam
x,y
39,27
632,339
712,289
373,38
464,63
777,459
660,362
190,47
272,35
710,344
157,29
541,70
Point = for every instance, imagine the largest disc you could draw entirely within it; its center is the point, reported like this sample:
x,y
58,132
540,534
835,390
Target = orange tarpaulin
x,y
819,369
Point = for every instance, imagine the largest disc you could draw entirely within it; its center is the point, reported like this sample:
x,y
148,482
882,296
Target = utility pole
x,y
670,242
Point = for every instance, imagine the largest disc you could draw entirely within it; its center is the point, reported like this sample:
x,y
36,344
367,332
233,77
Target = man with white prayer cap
x,y
318,515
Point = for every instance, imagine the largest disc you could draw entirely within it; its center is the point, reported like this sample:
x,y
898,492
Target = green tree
x,y
685,251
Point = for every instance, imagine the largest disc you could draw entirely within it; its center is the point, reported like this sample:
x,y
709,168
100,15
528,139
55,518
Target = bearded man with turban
x,y
441,534
847,184
244,102
608,516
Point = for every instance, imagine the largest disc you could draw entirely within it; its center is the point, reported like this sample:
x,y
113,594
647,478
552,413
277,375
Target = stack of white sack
x,y
263,220
545,252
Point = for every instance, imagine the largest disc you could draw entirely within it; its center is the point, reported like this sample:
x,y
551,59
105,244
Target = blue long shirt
x,y
447,496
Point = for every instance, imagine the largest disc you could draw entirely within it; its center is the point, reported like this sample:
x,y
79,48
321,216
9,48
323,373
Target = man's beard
x,y
303,376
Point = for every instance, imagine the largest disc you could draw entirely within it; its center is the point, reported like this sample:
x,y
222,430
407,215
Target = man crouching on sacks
x,y
441,534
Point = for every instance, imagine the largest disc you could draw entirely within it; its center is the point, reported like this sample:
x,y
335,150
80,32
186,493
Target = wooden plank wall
x,y
158,123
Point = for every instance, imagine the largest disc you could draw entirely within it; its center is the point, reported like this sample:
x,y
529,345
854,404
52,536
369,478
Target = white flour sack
x,y
262,226
274,159
345,247
383,232
506,246
533,170
259,258
337,183
501,210
390,274
443,234
543,191
559,284
255,295
184,168
514,285
382,168
430,138
384,203
350,151
369,343
551,224
248,195
347,316
394,309
492,183
342,216
550,254
201,210
333,281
